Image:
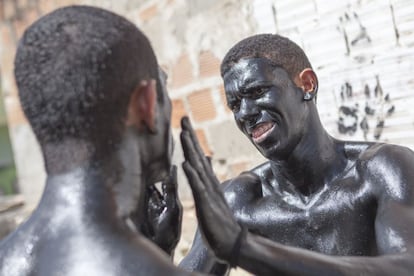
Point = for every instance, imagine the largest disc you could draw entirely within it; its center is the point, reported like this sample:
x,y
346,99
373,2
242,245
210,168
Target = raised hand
x,y
163,214
218,226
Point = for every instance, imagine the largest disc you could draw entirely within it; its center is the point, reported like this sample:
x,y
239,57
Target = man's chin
x,y
268,150
160,175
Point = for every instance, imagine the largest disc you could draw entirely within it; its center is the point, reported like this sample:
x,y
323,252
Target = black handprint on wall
x,y
377,108
348,111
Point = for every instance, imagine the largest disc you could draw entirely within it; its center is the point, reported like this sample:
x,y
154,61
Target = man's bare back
x,y
102,120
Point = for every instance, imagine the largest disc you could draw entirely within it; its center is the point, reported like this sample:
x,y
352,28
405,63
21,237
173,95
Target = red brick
x,y
23,4
182,72
178,111
222,176
148,12
202,139
223,99
28,18
2,16
6,37
238,167
15,115
201,105
9,87
9,10
62,3
46,6
209,64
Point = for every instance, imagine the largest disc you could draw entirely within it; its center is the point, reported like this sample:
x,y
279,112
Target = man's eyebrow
x,y
245,88
254,84
241,88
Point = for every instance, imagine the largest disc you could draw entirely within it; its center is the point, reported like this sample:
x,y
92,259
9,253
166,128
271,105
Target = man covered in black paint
x,y
91,88
318,206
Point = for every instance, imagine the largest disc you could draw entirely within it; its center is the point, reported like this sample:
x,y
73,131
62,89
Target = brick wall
x,y
362,51
188,46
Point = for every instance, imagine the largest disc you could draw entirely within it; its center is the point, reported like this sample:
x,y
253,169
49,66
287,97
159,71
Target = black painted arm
x,y
202,259
162,214
262,256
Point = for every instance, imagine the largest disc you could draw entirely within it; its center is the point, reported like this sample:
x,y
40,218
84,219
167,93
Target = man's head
x,y
279,50
76,69
86,74
269,83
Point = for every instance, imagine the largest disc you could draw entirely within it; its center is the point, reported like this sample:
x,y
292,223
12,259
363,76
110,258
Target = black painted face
x,y
267,106
161,144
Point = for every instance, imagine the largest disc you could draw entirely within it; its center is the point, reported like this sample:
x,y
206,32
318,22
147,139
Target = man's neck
x,y
68,155
315,162
81,194
102,185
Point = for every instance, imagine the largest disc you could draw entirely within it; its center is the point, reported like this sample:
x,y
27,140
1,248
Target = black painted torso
x,y
339,219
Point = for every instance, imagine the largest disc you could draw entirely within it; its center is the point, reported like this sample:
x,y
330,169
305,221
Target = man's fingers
x,y
190,152
204,196
208,158
211,175
151,195
194,154
197,186
186,124
154,193
186,127
170,189
169,185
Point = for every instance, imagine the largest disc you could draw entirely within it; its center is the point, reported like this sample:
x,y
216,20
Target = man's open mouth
x,y
261,131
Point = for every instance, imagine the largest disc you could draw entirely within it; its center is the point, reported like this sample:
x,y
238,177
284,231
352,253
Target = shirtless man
x,y
90,86
318,206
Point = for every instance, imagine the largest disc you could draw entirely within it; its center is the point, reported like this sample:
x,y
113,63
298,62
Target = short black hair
x,y
76,68
280,50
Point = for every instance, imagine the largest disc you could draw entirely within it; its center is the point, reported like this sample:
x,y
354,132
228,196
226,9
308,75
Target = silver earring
x,y
308,95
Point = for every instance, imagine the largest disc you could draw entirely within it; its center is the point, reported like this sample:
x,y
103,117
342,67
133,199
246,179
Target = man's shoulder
x,y
371,154
387,167
16,253
384,154
252,176
245,186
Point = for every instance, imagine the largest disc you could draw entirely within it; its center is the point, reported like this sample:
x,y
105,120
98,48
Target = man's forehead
x,y
247,65
251,70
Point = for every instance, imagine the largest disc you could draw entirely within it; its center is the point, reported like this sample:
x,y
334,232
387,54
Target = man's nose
x,y
248,110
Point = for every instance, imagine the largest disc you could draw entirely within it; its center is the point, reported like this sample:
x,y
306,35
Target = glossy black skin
x,y
319,206
160,218
80,226
76,231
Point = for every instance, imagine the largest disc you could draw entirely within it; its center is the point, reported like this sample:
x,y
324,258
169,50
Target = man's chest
x,y
338,221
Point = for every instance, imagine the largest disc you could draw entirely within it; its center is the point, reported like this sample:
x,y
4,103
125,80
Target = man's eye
x,y
260,91
234,107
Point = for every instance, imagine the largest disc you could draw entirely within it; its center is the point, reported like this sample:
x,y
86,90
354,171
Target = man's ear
x,y
141,107
308,81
